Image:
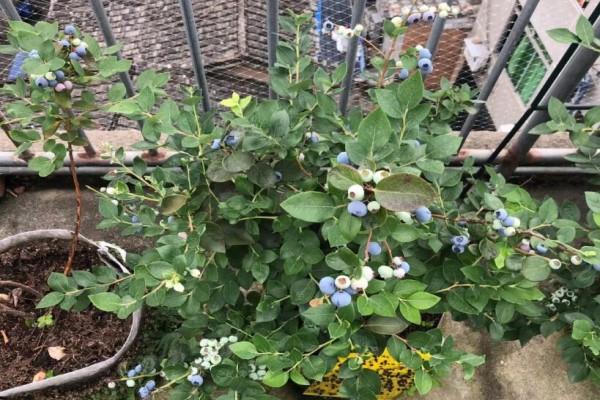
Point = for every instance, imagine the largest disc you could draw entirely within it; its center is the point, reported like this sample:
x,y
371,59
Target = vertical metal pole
x,y
358,10
561,87
436,33
511,42
272,36
9,9
194,43
110,40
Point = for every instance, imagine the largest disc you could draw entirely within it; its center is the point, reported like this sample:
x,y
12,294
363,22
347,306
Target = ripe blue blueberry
x,y
278,176
403,74
350,291
502,232
314,138
34,54
596,267
131,373
70,30
138,369
150,385
135,220
143,392
231,140
508,221
216,144
460,240
425,53
343,158
423,214
458,249
413,18
429,16
425,65
52,83
171,219
374,248
405,266
341,299
327,285
501,214
41,82
357,208
541,249
81,51
60,75
195,380
74,56
64,43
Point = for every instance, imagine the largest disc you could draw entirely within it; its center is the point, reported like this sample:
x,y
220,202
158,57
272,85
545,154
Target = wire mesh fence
x,y
233,37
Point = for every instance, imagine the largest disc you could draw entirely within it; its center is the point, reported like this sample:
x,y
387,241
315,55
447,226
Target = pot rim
x,y
93,370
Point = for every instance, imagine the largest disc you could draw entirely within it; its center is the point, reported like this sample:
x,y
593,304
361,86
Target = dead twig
x,y
26,288
15,313
4,336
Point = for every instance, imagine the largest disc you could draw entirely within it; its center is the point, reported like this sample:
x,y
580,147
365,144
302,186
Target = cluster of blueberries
x,y
341,289
504,224
424,63
562,295
230,140
57,79
143,391
459,243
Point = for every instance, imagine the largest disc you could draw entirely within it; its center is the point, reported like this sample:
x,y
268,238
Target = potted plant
x,y
300,245
53,103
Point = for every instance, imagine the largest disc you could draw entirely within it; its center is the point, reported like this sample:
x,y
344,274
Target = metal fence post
x,y
9,9
110,40
358,10
561,87
436,33
511,42
272,36
194,44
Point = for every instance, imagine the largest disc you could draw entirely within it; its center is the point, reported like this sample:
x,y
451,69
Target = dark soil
x,y
88,337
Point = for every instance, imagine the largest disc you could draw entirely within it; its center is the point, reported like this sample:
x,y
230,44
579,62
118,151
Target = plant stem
x,y
73,169
386,62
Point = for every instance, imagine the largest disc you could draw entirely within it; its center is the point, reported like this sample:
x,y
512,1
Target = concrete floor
x,y
535,372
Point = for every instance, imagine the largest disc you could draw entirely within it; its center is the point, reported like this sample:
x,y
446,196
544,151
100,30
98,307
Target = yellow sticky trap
x,y
395,378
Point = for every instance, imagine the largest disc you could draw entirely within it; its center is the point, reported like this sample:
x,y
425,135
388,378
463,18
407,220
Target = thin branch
x,y
73,169
22,286
15,313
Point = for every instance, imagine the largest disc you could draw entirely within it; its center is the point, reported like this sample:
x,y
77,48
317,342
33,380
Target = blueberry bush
x,y
55,66
288,236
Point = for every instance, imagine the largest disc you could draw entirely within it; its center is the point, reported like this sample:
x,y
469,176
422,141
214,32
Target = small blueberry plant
x,y
53,103
288,236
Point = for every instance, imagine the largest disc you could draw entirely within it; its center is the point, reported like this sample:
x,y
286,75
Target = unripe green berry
x,y
555,263
373,206
366,175
385,272
356,192
379,175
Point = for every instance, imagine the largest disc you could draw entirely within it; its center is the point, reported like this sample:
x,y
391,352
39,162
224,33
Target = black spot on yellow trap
x,y
394,376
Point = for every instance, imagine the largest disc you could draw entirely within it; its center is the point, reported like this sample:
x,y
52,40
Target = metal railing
x,y
560,83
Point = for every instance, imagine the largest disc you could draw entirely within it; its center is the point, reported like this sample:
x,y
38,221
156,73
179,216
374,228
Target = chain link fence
x,y
233,37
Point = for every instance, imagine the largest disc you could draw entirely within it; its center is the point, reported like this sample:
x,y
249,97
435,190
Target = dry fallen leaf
x,y
56,352
4,337
40,376
4,297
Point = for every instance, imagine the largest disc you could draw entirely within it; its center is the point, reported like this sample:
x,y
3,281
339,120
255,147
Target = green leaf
x,y
238,162
422,300
275,379
581,328
343,176
563,35
410,92
584,30
302,291
309,206
410,313
423,381
504,312
50,300
374,133
343,260
321,315
404,192
536,269
592,200
172,203
387,100
109,302
548,211
405,233
244,350
386,325
384,304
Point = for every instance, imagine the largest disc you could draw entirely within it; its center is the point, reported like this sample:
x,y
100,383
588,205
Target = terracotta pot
x,y
91,371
